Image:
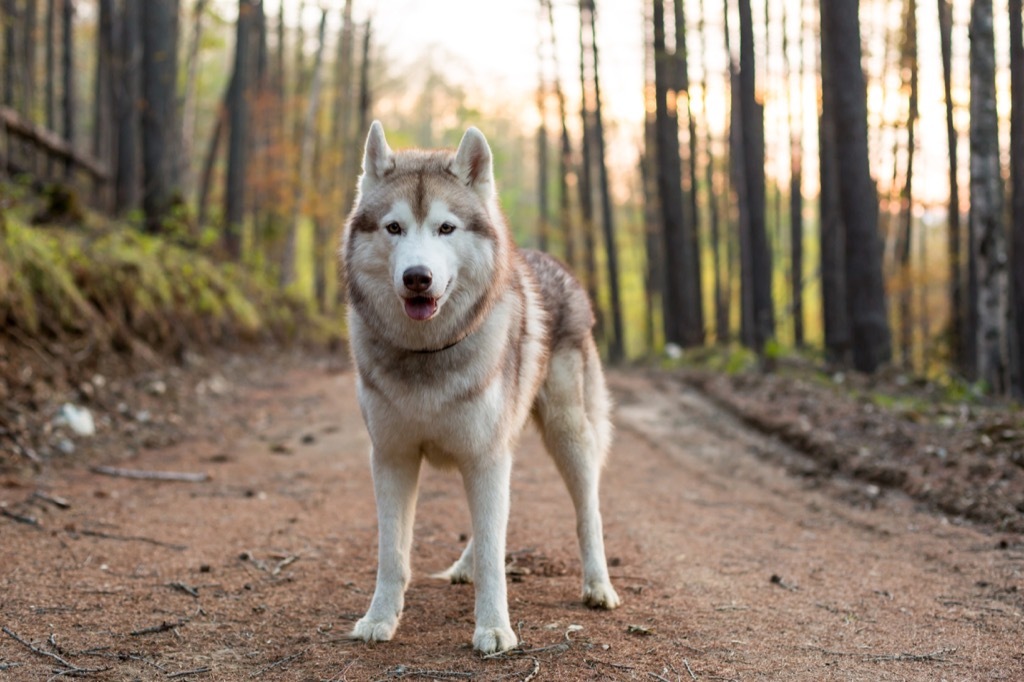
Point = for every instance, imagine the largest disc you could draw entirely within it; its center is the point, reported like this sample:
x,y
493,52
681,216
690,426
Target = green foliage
x,y
120,287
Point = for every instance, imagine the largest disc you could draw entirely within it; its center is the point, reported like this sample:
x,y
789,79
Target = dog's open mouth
x,y
420,307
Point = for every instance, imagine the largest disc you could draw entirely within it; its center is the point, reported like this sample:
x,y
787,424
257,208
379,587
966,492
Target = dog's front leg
x,y
395,480
487,487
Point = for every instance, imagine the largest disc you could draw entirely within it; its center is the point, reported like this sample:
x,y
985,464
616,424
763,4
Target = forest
x,y
800,224
757,186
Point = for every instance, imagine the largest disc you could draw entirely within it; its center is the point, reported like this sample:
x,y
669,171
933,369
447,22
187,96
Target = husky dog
x,y
458,337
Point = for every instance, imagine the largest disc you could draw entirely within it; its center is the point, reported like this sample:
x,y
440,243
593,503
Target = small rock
x,y
156,387
78,419
65,446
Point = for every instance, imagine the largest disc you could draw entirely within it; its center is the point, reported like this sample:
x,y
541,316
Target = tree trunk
x,y
1017,200
159,78
585,184
50,102
752,115
616,345
30,43
10,17
905,235
127,93
104,134
309,131
238,132
957,350
565,153
543,225
858,199
714,219
796,199
188,98
67,40
987,231
691,264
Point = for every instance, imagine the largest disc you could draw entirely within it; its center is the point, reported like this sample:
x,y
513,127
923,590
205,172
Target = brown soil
x,y
729,566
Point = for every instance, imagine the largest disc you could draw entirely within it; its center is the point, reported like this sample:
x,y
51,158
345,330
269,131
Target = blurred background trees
x,y
841,177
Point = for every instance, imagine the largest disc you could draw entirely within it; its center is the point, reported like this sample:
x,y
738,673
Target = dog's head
x,y
425,244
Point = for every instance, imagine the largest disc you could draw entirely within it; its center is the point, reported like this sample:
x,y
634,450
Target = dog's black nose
x,y
417,278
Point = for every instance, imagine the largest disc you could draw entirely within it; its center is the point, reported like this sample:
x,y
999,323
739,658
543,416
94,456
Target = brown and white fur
x,y
458,337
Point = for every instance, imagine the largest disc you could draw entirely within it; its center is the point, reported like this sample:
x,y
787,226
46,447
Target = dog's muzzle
x,y
417,281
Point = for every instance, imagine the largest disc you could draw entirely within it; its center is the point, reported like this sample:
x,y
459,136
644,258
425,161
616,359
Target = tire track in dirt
x,y
729,568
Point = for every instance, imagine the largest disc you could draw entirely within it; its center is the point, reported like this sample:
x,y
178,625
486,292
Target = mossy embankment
x,y
91,295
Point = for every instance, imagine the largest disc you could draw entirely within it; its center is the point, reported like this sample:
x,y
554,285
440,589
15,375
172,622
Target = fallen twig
x,y
938,656
402,671
182,587
186,673
288,560
141,474
52,499
534,672
72,669
131,538
20,518
280,662
162,627
8,666
613,665
689,669
560,647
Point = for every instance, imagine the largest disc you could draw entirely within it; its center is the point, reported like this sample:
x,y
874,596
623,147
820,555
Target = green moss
x,y
116,283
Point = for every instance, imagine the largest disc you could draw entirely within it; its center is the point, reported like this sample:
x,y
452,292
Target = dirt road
x,y
729,569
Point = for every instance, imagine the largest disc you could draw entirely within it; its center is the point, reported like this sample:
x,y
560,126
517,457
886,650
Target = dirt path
x,y
729,569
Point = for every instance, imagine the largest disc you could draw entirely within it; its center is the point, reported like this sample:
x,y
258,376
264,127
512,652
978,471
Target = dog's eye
x,y
393,228
446,228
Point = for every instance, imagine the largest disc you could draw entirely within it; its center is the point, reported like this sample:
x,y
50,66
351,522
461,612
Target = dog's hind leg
x,y
395,480
572,411
461,571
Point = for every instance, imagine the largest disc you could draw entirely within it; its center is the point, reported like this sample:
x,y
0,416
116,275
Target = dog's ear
x,y
378,157
473,163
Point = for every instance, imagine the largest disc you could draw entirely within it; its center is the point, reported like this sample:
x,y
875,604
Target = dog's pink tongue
x,y
420,307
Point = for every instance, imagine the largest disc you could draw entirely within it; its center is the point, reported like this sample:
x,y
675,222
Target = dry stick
x,y
283,661
27,520
162,627
689,669
152,475
72,668
608,663
186,673
191,591
937,656
131,538
534,672
561,647
52,499
444,674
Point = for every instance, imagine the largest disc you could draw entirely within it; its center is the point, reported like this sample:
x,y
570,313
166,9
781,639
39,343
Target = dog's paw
x,y
457,574
600,595
493,640
371,630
